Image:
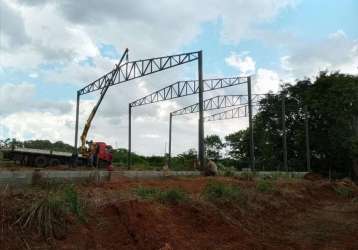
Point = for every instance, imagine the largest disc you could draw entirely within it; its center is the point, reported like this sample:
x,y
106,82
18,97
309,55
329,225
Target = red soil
x,y
297,215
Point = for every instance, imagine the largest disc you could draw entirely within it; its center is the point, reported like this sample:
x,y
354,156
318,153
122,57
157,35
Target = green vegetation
x,y
48,213
147,192
332,104
229,172
213,147
172,196
265,186
169,196
74,203
218,192
248,175
345,192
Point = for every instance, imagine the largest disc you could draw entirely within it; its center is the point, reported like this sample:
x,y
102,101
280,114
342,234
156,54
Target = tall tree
x,y
332,101
213,145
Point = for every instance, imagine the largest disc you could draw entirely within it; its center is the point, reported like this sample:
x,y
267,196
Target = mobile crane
x,y
98,153
90,153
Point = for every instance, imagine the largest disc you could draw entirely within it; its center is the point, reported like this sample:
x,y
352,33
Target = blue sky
x,y
59,47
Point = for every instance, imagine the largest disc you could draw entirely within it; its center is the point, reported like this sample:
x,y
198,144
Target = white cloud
x,y
21,97
336,52
265,81
64,33
244,63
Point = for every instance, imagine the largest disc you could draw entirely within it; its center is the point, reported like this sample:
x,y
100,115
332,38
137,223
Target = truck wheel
x,y
41,161
54,162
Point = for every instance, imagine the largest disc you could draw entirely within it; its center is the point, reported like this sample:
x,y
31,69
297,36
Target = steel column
x,y
129,136
251,130
170,140
76,125
284,140
201,111
308,151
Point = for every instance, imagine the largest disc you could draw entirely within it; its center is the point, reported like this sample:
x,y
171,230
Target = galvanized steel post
x,y
251,130
201,111
129,136
170,140
76,125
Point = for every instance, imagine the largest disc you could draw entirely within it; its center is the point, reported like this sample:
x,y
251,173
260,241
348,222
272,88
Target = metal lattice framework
x,y
136,69
218,102
185,88
238,112
234,113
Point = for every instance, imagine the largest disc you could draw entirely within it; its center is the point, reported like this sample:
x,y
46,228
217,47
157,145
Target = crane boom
x,y
109,80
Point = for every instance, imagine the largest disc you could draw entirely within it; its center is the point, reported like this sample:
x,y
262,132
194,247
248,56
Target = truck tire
x,y
41,161
54,162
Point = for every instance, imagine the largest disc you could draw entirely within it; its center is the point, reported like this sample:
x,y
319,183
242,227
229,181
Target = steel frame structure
x,y
177,90
235,113
185,88
242,111
139,68
217,102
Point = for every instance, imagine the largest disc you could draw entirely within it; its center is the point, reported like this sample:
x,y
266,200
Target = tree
x,y
332,101
213,145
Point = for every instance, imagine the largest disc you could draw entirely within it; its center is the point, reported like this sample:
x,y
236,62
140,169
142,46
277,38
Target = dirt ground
x,y
297,214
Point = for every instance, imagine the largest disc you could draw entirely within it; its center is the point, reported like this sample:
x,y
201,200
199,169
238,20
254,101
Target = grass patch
x,y
265,186
146,192
229,172
169,196
345,192
172,196
248,175
218,192
48,214
74,204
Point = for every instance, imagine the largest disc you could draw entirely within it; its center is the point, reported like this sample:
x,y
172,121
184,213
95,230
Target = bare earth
x,y
298,214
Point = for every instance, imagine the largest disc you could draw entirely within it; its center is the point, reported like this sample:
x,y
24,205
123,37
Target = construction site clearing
x,y
240,212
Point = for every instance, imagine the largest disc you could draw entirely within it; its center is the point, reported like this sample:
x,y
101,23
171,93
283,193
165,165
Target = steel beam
x,y
170,140
217,102
252,149
186,88
135,69
235,113
129,136
308,151
76,124
201,112
284,139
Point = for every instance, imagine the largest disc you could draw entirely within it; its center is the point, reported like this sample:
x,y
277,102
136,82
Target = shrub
x,y
171,196
219,192
73,202
146,192
345,192
47,215
248,175
265,186
229,172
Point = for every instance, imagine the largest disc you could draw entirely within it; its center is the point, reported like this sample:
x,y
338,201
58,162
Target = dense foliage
x,y
332,104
